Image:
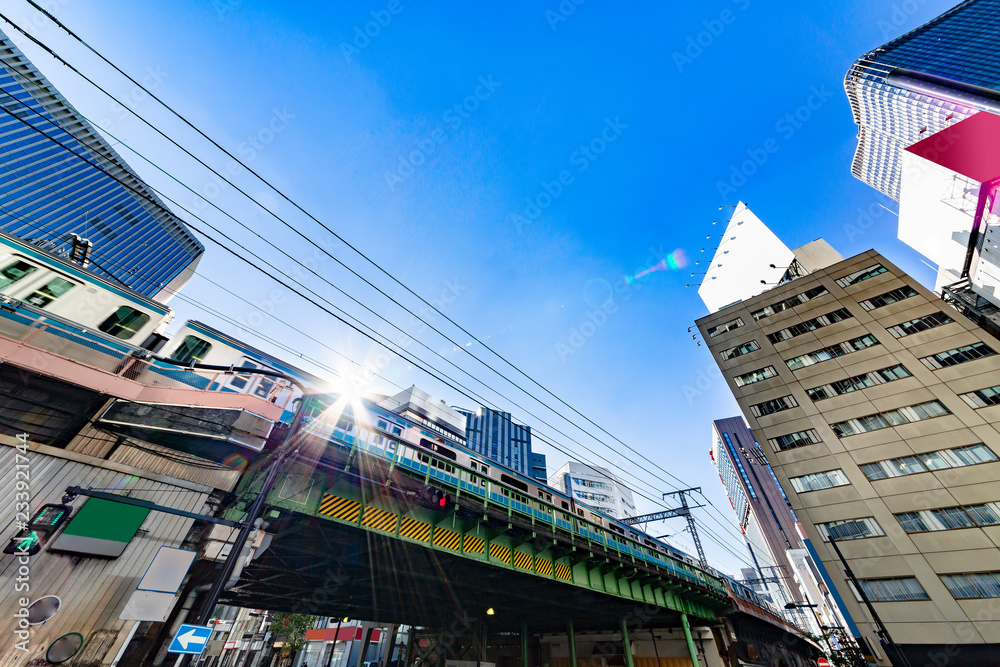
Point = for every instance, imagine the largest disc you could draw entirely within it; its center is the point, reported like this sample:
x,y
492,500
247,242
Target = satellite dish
x,y
64,648
43,609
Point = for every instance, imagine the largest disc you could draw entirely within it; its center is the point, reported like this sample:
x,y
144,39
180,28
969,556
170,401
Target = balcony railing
x,y
42,339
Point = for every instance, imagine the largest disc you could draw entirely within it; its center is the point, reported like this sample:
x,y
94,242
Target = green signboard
x,y
101,528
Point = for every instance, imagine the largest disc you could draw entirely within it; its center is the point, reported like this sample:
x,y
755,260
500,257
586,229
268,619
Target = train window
x,y
473,465
580,512
565,505
124,322
264,387
507,479
14,271
191,349
49,292
485,469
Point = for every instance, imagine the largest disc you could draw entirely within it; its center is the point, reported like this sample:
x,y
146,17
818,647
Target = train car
x,y
370,430
197,342
57,286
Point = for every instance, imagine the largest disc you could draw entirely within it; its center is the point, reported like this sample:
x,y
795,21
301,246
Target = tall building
x,y
596,487
59,177
876,405
538,468
920,83
496,436
761,508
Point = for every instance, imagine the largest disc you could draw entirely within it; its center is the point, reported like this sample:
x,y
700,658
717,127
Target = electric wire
x,y
450,380
383,293
337,236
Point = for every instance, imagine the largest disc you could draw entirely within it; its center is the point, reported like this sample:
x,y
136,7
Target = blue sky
x,y
428,143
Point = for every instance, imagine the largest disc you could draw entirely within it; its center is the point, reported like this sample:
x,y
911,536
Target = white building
x,y
595,487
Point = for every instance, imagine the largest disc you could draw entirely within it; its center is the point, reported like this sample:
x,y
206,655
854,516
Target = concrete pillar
x,y
690,641
571,640
627,645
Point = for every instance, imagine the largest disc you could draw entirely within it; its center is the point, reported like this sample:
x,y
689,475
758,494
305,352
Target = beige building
x,y
877,406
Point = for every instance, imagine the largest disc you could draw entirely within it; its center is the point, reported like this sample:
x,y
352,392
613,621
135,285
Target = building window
x,y
959,355
191,349
862,275
14,272
919,324
810,325
895,589
949,518
586,495
946,458
740,350
49,292
793,440
788,304
892,296
124,322
723,328
739,466
858,382
590,483
755,376
826,353
772,406
982,397
973,586
850,529
880,420
818,481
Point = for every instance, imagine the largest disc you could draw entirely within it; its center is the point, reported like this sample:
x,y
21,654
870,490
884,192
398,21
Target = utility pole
x,y
249,524
684,510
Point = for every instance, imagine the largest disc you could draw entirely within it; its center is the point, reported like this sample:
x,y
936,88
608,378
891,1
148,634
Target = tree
x,y
291,628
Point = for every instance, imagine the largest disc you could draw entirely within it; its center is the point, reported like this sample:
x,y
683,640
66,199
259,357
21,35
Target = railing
x,y
978,309
97,350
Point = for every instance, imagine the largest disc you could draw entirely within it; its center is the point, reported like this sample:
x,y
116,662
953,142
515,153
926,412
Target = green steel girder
x,y
618,574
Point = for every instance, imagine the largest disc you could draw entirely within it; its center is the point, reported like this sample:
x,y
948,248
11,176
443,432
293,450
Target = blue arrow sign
x,y
190,639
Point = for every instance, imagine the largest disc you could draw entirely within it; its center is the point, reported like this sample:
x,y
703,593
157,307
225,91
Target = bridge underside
x,y
322,567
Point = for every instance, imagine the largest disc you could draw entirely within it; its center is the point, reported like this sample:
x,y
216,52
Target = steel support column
x,y
571,639
690,641
626,644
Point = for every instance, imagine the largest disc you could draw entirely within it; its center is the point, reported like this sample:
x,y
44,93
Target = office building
x,y
497,436
59,177
538,468
876,405
920,83
596,487
762,512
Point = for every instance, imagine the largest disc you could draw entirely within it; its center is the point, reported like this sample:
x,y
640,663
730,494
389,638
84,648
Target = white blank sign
x,y
167,571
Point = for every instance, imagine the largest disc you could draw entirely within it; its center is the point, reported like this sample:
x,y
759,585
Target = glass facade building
x,y
920,83
59,177
494,435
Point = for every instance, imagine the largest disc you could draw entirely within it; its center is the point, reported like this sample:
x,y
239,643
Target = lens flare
x,y
672,262
235,462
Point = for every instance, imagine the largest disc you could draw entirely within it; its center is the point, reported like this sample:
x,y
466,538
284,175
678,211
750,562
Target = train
x,y
365,426
68,294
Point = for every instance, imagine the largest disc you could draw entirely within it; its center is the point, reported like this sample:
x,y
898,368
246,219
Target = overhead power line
x,y
238,245
328,229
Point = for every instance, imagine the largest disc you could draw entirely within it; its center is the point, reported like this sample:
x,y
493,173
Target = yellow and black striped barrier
x,y
448,539
474,545
415,530
339,508
522,560
500,552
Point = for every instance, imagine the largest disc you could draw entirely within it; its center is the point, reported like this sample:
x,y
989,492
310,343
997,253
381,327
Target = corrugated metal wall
x,y
93,590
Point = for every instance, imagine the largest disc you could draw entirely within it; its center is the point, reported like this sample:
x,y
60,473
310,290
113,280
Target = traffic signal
x,y
436,498
36,532
25,543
